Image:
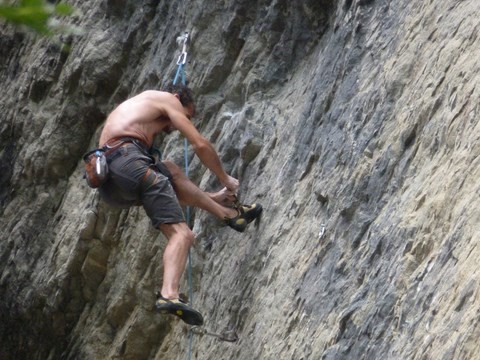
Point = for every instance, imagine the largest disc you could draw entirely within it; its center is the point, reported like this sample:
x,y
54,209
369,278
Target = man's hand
x,y
224,197
231,184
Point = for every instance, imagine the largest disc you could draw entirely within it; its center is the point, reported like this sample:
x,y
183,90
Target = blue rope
x,y
181,73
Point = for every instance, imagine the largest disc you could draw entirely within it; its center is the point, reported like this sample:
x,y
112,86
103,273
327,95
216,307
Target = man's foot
x,y
246,214
223,197
178,308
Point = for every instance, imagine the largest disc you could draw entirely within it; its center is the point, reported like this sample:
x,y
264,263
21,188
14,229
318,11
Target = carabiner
x,y
182,59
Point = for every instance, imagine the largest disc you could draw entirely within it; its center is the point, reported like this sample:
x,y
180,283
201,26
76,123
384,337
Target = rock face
x,y
354,123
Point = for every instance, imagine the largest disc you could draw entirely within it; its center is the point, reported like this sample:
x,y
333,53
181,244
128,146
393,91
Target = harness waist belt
x,y
115,143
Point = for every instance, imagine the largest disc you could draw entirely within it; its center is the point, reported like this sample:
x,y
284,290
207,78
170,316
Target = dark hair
x,y
185,93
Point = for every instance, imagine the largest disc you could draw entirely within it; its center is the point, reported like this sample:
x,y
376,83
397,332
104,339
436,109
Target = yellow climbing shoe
x,y
179,308
246,214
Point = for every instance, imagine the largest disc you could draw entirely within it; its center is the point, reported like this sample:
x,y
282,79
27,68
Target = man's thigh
x,y
159,200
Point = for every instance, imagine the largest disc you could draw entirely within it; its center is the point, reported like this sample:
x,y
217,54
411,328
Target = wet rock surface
x,y
354,123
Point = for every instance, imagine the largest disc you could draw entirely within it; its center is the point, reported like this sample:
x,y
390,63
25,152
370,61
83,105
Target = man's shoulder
x,y
154,93
157,95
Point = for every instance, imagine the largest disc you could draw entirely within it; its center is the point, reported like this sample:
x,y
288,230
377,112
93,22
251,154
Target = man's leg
x,y
180,239
189,194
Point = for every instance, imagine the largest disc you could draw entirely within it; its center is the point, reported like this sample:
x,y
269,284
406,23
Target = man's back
x,y
141,117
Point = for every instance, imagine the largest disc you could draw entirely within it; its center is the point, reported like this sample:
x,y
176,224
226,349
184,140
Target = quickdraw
x,y
182,59
228,335
183,39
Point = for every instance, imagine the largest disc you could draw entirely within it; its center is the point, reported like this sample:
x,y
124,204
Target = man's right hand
x,y
231,184
224,197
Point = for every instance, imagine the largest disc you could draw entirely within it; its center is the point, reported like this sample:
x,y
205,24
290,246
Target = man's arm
x,y
209,157
202,147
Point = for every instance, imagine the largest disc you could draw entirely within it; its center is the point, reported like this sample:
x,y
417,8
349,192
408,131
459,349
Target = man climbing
x,y
136,178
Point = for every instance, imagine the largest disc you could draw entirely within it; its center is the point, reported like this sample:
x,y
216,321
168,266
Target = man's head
x,y
185,94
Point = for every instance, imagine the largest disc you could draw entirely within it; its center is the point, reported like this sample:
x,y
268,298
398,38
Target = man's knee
x,y
178,231
189,236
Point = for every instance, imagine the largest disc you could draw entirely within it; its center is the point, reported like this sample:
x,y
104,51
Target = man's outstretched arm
x,y
209,157
202,147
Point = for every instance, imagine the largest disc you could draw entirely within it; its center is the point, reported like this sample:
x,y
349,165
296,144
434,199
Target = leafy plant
x,y
35,14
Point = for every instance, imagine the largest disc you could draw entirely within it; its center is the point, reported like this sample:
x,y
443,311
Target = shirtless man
x,y
161,187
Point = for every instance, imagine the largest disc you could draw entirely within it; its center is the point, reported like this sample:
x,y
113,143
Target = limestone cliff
x,y
354,123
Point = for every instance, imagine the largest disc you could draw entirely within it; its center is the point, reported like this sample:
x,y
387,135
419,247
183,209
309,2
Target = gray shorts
x,y
135,179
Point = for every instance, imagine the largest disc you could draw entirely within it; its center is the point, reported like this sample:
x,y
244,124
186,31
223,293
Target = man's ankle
x,y
168,295
231,213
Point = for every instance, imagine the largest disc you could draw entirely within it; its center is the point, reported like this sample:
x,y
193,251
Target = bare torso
x,y
141,117
151,112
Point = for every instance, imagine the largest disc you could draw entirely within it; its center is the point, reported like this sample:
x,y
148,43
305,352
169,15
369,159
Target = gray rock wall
x,y
354,123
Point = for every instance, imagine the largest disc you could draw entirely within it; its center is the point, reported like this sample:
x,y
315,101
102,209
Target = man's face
x,y
189,112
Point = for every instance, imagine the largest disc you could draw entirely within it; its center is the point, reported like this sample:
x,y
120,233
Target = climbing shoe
x,y
246,214
178,308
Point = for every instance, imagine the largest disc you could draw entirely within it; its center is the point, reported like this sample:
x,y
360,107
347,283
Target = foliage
x,y
35,14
